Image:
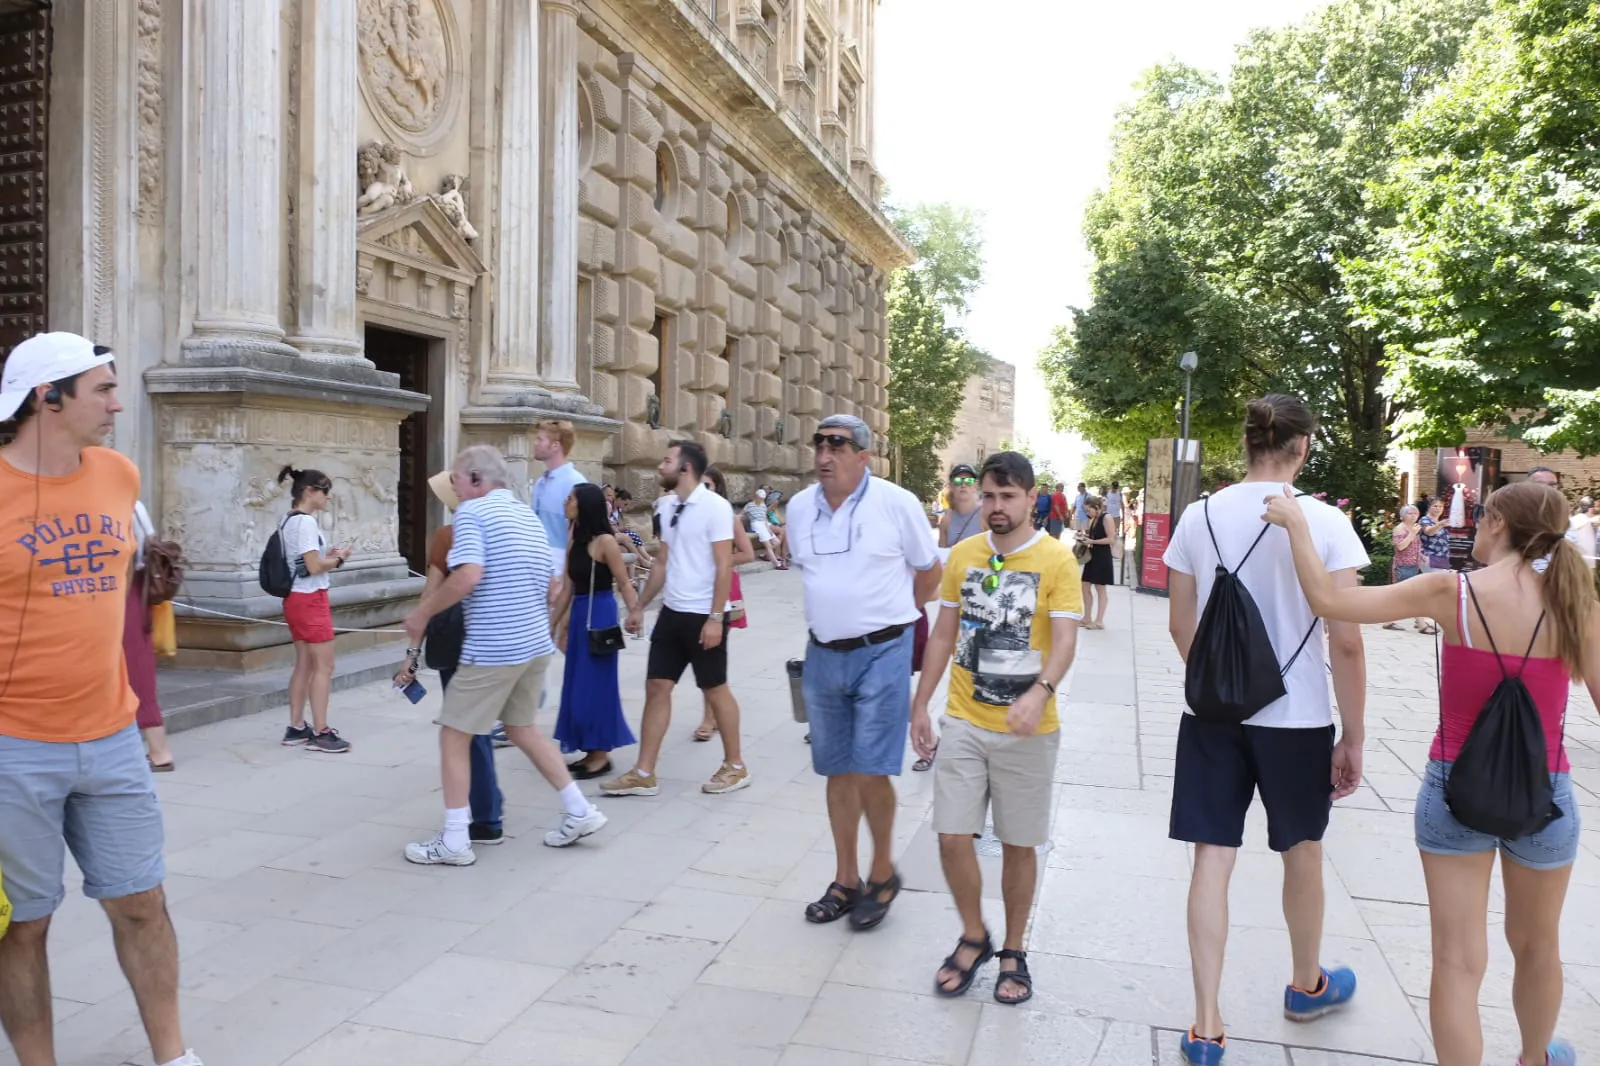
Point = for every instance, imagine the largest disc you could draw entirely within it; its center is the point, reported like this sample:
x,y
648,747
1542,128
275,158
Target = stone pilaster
x,y
239,186
514,356
325,196
558,263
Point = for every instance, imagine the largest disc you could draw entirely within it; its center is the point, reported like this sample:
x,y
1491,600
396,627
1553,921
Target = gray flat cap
x,y
857,428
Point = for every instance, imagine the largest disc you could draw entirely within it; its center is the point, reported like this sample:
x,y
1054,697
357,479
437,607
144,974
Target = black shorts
x,y
675,645
1220,767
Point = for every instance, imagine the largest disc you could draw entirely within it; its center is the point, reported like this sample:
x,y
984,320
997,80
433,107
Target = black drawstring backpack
x,y
274,572
1499,783
1232,671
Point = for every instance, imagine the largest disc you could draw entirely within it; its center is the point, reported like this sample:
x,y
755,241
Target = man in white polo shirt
x,y
696,566
868,564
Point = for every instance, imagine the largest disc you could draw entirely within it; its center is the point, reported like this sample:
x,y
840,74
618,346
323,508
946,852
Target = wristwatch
x,y
716,616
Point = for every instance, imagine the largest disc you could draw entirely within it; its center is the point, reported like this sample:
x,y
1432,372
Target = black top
x,y
578,563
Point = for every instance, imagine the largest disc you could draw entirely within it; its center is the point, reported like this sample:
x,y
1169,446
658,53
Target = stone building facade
x,y
358,235
987,417
1418,470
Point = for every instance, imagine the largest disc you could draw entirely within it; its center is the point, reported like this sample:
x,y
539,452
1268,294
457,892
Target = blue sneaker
x,y
1199,1052
1338,986
497,736
1559,1053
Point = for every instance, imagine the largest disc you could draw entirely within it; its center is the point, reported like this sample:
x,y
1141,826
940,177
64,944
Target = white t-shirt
x,y
1581,531
301,534
858,563
1114,505
1269,576
703,520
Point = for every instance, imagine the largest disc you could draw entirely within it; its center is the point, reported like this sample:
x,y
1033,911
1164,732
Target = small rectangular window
x,y
665,378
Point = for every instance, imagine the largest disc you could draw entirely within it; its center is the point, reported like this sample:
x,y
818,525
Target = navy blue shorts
x,y
1220,767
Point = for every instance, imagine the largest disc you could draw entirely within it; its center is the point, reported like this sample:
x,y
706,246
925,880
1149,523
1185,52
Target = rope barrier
x,y
272,622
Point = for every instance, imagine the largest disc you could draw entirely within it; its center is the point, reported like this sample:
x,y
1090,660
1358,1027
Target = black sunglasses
x,y
836,442
677,514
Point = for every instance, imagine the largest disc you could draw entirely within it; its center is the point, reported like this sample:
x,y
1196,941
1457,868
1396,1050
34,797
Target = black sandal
x,y
1020,975
985,953
835,903
871,910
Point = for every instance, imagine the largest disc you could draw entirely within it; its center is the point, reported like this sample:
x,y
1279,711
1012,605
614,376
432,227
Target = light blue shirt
x,y
550,494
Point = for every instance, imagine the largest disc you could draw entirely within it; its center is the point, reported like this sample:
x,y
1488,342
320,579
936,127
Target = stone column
x,y
558,140
239,191
325,217
514,360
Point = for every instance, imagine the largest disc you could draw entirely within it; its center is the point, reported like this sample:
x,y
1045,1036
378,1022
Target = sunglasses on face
x,y
963,481
991,581
834,442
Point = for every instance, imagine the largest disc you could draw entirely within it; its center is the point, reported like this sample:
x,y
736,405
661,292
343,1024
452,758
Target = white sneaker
x,y
574,828
434,853
189,1059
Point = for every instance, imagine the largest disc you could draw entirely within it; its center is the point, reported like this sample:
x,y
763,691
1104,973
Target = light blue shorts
x,y
98,799
858,704
1438,832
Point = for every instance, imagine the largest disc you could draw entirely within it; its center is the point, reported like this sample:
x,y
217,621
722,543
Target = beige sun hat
x,y
440,484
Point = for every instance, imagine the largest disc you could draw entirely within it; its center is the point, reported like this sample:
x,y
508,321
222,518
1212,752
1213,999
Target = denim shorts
x,y
858,704
1438,832
98,799
1406,573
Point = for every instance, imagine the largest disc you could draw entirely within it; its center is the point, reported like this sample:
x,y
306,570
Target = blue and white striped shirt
x,y
508,615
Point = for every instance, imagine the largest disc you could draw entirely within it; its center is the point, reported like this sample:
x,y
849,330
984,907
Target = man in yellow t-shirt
x,y
1009,611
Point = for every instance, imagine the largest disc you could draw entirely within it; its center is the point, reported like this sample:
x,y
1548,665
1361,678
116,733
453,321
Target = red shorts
x,y
309,617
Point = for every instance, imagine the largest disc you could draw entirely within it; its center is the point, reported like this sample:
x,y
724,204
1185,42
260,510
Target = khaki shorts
x,y
977,769
480,696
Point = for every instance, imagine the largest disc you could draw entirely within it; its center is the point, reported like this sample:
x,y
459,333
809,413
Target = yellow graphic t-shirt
x,y
1004,635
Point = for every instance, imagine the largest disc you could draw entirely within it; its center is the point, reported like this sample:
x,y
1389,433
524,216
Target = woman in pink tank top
x,y
1545,629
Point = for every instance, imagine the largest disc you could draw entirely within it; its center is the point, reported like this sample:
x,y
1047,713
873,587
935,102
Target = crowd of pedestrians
x,y
508,584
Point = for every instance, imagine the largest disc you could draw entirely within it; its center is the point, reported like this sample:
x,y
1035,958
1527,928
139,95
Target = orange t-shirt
x,y
64,567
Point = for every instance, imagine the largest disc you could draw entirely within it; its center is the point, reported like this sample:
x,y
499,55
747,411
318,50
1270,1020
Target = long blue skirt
x,y
591,701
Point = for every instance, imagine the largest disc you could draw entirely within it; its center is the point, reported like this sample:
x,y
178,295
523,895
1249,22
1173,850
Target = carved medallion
x,y
411,69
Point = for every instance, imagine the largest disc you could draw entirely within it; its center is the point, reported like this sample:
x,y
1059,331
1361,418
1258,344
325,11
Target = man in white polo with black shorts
x,y
868,562
695,565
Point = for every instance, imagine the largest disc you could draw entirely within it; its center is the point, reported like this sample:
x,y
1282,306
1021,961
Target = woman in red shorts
x,y
307,612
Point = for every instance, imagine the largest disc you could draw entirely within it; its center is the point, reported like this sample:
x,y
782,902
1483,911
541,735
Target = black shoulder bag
x,y
602,642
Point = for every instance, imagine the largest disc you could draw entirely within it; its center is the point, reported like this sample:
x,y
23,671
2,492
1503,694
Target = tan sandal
x,y
704,733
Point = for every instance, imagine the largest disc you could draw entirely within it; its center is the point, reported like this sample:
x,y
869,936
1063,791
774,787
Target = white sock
x,y
181,1060
456,820
642,771
573,799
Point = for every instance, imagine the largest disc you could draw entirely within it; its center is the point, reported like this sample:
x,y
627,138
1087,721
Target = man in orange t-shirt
x,y
72,767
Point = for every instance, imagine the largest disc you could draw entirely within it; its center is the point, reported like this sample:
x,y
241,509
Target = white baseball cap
x,y
43,358
761,494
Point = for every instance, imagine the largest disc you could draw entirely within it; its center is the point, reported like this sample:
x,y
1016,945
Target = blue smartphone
x,y
414,691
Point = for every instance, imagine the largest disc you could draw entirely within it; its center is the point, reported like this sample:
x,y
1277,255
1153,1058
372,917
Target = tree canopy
x,y
1230,207
930,359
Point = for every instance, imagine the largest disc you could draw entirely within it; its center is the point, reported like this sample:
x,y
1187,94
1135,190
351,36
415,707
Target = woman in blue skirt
x,y
591,703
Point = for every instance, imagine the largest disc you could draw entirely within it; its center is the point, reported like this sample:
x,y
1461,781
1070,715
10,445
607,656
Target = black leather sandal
x,y
969,974
1019,976
871,910
835,903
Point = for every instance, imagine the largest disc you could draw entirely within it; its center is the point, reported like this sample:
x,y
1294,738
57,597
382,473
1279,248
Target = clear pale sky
x,y
1012,114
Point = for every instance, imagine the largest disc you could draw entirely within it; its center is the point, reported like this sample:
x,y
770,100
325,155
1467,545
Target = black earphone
x,y
476,480
52,397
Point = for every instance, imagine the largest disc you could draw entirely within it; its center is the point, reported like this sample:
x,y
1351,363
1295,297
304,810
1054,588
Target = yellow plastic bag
x,y
5,908
164,629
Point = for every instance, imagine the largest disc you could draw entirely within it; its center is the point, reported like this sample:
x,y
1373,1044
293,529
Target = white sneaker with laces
x,y
573,828
434,853
189,1059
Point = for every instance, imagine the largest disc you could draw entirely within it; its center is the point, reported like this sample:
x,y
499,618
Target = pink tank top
x,y
1468,677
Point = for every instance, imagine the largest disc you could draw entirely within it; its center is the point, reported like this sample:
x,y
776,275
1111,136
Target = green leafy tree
x,y
931,360
929,365
1229,208
1486,281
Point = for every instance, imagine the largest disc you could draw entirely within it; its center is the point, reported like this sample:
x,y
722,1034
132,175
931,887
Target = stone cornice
x,y
714,79
306,385
524,415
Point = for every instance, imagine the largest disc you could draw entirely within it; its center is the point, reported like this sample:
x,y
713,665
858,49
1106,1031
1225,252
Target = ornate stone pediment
x,y
419,235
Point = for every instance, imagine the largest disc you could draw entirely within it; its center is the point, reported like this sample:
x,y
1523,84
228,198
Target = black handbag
x,y
443,639
602,642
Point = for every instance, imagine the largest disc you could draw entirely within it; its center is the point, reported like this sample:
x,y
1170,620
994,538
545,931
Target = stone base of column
x,y
230,417
512,430
330,350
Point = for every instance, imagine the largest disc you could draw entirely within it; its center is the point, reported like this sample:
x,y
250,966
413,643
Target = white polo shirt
x,y
858,562
704,520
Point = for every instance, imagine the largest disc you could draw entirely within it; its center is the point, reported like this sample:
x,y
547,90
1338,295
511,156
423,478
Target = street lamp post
x,y
1188,363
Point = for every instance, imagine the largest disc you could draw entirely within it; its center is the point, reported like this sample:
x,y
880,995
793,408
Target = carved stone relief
x,y
149,20
411,69
381,177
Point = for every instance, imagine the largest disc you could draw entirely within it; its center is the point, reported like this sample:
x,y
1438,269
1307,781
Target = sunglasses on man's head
x,y
835,442
678,513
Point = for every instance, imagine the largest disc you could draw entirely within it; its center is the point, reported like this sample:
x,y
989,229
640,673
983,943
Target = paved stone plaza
x,y
676,935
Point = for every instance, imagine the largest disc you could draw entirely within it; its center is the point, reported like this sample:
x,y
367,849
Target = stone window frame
x,y
667,180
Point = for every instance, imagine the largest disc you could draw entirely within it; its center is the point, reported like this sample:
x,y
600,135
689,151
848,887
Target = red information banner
x,y
1157,532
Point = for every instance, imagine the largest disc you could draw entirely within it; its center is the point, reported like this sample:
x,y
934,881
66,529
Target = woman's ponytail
x,y
1569,598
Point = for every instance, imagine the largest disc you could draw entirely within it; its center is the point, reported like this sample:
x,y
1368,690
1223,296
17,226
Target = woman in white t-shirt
x,y
307,612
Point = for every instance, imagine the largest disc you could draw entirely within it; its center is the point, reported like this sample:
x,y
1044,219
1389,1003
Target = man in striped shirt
x,y
503,572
